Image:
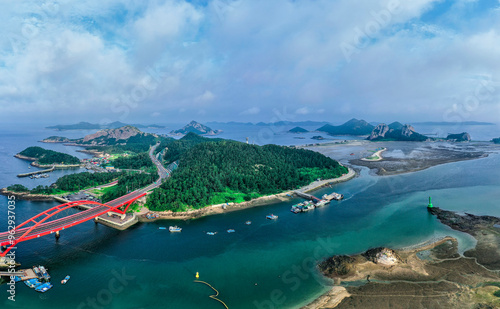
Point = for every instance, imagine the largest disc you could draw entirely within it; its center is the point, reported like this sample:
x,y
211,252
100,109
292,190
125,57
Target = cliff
x,y
396,131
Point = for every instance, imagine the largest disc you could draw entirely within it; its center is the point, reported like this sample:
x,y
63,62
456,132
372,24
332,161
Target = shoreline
x,y
377,154
387,276
260,201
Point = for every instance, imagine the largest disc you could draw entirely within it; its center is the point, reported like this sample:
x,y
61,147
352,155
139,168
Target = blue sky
x,y
250,60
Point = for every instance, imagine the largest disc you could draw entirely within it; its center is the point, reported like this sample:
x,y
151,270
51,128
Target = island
x,y
94,126
318,137
298,130
44,157
396,132
496,140
351,127
212,172
429,275
196,127
460,137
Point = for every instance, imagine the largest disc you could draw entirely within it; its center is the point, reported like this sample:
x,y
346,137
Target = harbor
x,y
36,172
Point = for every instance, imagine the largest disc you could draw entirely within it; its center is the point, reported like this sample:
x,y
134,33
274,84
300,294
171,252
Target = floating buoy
x,y
197,275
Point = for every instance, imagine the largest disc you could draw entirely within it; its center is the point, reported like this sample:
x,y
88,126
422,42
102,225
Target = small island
x,y
496,140
351,127
43,157
197,128
460,137
396,132
298,130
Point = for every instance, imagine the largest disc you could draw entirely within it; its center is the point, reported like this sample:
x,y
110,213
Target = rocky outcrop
x,y
197,128
122,133
396,131
379,132
461,137
338,265
382,255
56,139
26,195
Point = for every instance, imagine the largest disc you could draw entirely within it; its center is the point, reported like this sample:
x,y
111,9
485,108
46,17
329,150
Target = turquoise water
x,y
263,265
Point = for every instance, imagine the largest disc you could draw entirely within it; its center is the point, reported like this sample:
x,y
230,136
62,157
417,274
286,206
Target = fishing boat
x,y
248,222
32,283
174,229
44,287
271,217
211,233
231,231
65,280
44,272
321,203
162,228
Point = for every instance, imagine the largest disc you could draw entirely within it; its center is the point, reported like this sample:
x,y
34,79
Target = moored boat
x,y
65,280
248,222
174,229
271,217
231,231
44,287
211,233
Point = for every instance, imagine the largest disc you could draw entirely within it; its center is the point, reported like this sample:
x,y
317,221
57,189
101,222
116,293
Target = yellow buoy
x,y
197,275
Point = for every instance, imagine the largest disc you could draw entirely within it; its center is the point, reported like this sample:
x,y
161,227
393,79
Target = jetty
x,y
306,195
37,172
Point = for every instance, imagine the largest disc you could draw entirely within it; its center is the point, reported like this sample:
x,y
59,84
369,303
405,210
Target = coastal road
x,y
95,210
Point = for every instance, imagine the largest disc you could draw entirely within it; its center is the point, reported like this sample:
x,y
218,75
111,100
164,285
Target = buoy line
x,y
216,293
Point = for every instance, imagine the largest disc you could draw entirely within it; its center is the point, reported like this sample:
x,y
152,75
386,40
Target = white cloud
x,y
302,111
251,111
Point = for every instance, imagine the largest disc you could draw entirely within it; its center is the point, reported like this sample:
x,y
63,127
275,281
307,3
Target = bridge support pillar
x,y
58,234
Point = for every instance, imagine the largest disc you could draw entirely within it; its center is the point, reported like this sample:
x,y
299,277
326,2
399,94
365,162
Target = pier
x,y
307,196
37,172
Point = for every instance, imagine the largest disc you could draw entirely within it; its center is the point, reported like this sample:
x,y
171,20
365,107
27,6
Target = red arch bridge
x,y
48,222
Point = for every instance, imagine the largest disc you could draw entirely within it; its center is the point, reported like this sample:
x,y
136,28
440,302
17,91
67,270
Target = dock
x,y
23,274
306,196
37,172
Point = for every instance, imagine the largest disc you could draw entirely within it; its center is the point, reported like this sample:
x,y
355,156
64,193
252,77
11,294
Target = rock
x,y
461,137
379,131
338,265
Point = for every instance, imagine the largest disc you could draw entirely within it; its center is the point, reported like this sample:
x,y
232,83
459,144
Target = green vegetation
x,y
70,183
133,162
136,144
496,140
217,171
45,156
497,293
352,127
128,183
76,182
17,188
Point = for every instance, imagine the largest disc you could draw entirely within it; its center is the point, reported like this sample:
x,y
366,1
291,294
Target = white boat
x,y
271,217
173,229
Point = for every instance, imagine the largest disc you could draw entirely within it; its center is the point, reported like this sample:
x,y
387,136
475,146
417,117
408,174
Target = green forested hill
x,y
45,156
212,172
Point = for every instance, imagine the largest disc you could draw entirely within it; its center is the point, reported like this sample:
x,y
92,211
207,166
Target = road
x,y
52,226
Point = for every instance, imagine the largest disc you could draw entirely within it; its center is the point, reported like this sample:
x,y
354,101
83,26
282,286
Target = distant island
x,y
42,156
448,123
95,126
460,137
318,137
496,140
298,130
223,171
197,128
351,127
396,132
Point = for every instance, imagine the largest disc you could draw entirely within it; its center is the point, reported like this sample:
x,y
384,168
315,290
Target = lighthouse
x,y
430,203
